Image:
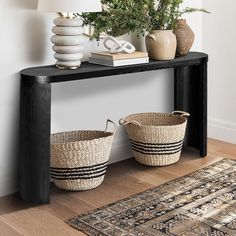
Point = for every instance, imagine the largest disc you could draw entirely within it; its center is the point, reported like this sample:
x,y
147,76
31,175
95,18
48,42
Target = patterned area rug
x,y
202,203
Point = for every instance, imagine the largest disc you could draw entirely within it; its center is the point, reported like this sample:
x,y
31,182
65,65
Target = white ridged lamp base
x,y
68,42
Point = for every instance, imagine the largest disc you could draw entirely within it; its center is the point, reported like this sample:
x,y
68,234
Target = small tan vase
x,y
185,37
161,45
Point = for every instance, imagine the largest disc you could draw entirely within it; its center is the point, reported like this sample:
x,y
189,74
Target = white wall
x,y
219,37
25,42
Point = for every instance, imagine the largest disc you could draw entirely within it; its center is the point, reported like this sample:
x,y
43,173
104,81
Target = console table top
x,y
50,74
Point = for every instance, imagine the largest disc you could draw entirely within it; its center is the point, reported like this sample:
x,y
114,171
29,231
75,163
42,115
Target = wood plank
x,y
12,203
73,205
6,230
227,150
60,210
36,222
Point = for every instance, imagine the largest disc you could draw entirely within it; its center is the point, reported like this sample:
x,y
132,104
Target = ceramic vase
x,y
161,45
185,37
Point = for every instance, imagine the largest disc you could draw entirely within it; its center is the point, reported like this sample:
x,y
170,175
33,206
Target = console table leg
x,y
191,96
35,109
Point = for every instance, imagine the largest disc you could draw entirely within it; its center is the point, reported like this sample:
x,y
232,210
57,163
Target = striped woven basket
x,y
156,138
79,158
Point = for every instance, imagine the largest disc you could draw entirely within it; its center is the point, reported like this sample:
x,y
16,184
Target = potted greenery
x,y
161,42
158,17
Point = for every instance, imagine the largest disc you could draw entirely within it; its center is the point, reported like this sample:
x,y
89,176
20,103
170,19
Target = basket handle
x,y
107,126
123,122
181,113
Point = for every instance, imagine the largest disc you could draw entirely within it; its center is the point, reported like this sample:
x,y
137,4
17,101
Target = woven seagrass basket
x,y
79,158
156,138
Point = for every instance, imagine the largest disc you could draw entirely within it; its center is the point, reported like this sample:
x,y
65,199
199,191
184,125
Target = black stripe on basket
x,y
157,144
74,177
78,170
157,148
82,168
74,172
169,148
157,152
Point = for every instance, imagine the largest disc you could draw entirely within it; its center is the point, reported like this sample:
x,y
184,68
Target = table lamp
x,y
68,39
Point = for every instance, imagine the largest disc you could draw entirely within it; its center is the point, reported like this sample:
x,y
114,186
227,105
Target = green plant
x,y
166,12
123,16
119,17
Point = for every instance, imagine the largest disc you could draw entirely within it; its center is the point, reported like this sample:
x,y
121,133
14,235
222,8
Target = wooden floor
x,y
122,180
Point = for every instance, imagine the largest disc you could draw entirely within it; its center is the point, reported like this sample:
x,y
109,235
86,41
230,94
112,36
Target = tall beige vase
x,y
161,45
185,37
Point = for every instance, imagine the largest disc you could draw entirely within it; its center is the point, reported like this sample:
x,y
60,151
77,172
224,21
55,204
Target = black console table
x,y
190,93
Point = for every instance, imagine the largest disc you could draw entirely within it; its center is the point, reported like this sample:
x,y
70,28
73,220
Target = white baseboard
x,y
222,129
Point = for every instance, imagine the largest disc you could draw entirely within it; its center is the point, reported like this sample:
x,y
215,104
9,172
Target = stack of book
x,y
118,59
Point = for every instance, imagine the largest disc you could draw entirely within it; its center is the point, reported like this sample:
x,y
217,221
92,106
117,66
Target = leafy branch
x,y
123,16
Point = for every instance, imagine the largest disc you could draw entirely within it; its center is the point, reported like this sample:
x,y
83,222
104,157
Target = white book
x,y
123,62
118,56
